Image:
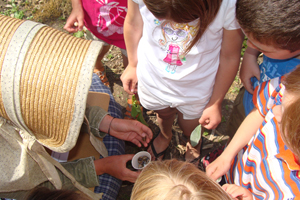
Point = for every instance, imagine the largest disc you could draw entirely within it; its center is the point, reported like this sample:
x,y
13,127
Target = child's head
x,y
185,11
272,26
290,120
176,180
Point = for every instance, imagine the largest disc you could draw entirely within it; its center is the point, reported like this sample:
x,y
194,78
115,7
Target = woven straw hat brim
x,y
50,81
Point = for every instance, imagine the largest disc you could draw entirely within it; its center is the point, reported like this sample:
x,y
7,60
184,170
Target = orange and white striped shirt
x,y
267,168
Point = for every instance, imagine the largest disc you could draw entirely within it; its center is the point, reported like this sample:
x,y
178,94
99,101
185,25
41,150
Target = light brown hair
x,y
185,11
175,180
290,121
271,22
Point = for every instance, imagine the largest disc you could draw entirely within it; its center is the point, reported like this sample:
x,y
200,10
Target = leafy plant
x,y
79,34
17,13
244,47
205,133
110,56
136,111
223,119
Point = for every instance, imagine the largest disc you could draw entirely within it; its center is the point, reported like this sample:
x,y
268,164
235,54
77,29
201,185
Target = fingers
x,y
211,172
70,26
133,87
132,176
80,25
248,86
208,124
144,134
233,190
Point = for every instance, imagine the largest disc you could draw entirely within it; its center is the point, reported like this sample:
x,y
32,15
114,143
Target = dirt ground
x,y
113,62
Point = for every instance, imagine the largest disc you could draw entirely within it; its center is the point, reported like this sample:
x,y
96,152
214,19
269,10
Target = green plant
x,y
78,34
136,111
14,10
223,119
195,136
244,47
205,133
110,56
235,90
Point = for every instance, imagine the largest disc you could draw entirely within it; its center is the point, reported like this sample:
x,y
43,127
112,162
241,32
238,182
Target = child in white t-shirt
x,y
185,55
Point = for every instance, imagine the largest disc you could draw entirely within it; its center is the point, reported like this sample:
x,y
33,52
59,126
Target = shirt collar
x,y
289,158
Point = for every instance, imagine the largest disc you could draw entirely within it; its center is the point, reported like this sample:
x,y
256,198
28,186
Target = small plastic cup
x,y
134,161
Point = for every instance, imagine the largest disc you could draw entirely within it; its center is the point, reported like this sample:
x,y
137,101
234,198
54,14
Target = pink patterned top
x,y
105,19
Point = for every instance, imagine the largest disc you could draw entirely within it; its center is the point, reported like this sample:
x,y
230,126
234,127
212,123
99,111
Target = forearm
x,y
244,133
133,29
229,64
226,73
76,4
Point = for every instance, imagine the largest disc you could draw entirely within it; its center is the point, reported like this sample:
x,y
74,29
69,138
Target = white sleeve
x,y
230,22
136,1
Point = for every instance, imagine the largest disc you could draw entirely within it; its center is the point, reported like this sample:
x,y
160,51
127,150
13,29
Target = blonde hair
x,y
290,122
176,180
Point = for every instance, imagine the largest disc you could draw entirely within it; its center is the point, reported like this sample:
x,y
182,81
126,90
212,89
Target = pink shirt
x,y
105,19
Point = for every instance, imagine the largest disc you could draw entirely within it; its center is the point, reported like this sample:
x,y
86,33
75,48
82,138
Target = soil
x,y
114,69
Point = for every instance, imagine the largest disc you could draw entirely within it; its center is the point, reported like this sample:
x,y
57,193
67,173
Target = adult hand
x,y
77,15
249,69
237,192
218,167
211,116
116,167
129,79
129,130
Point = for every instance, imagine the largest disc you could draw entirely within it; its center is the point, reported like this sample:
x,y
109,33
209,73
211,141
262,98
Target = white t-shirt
x,y
165,73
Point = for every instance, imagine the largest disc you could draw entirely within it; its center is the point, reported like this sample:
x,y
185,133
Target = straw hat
x,y
45,78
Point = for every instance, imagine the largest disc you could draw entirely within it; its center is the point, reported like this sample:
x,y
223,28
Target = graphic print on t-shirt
x,y
176,38
111,18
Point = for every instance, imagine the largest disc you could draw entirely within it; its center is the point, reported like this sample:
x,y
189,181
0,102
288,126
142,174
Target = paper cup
x,y
135,163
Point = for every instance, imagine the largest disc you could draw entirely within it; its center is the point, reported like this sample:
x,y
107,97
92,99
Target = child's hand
x,y
218,167
211,116
237,192
249,69
129,80
76,16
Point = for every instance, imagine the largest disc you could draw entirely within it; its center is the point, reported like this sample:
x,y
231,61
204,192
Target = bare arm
x,y
133,30
249,68
229,63
77,15
243,135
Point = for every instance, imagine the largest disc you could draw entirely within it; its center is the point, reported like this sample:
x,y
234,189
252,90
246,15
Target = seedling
x,y
79,34
205,133
136,111
223,119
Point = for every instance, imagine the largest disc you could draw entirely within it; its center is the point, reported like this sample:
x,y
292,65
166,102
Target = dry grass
x,y
51,9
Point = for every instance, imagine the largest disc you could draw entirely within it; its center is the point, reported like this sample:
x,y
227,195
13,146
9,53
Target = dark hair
x,y
46,194
271,22
185,11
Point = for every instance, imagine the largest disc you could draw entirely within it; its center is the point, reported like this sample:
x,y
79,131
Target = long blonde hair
x,y
175,180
